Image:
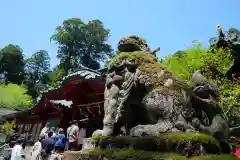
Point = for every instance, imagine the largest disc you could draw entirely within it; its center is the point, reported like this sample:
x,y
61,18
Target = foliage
x,y
36,69
82,43
14,96
143,155
137,57
7,128
164,142
213,64
37,65
11,64
56,76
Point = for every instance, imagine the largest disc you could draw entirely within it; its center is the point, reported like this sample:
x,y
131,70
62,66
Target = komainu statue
x,y
141,95
209,117
146,99
150,112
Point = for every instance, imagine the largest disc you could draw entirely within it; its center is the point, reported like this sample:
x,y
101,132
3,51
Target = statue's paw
x,y
196,123
190,130
180,126
175,130
98,132
143,130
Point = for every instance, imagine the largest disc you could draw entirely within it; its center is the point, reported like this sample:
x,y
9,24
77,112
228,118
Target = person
x,y
236,151
17,151
53,130
36,151
82,134
60,141
72,136
44,130
47,145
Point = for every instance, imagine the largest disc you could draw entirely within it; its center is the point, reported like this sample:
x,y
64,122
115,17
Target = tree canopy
x,y
213,65
14,96
11,64
81,43
37,65
37,69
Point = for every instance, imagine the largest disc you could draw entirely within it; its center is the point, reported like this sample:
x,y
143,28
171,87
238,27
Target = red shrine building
x,y
79,97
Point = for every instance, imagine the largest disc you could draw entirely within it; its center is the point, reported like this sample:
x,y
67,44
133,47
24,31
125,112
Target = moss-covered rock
x,y
134,154
215,157
166,142
155,75
138,57
132,43
116,154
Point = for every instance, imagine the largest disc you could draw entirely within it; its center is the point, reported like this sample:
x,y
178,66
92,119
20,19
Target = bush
x,y
213,64
7,128
14,96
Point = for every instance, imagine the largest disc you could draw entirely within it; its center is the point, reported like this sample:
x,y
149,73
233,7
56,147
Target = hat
x,y
74,121
60,130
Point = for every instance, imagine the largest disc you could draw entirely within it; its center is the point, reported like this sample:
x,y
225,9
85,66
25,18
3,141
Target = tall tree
x,y
38,65
82,43
37,68
11,64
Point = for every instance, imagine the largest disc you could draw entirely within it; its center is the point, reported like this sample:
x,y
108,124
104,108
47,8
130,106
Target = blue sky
x,y
169,24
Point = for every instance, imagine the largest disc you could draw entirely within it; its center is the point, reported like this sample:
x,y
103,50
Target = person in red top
x,y
236,151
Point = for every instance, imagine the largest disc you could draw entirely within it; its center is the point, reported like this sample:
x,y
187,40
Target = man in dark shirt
x,y
48,145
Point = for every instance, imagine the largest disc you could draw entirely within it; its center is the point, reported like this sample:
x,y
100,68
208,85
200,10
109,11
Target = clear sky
x,y
169,24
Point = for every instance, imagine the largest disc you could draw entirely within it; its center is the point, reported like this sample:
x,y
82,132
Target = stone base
x,y
177,142
124,154
89,143
166,146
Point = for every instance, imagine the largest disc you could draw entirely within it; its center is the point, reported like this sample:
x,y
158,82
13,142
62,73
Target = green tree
x,y
37,68
14,96
213,64
56,76
11,64
82,43
37,65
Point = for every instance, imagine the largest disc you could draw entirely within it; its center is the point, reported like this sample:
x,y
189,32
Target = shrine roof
x,y
91,79
17,114
62,103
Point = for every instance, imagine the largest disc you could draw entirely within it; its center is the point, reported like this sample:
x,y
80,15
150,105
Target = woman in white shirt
x,y
17,151
36,153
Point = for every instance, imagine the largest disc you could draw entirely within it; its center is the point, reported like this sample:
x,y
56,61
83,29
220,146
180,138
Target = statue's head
x,y
198,79
133,43
203,88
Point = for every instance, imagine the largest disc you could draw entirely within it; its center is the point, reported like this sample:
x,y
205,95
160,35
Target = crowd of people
x,y
53,141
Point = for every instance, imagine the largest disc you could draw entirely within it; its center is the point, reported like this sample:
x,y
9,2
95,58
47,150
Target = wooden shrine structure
x,y
80,96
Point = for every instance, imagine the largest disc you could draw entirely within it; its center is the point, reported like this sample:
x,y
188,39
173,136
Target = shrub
x,y
14,96
214,64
